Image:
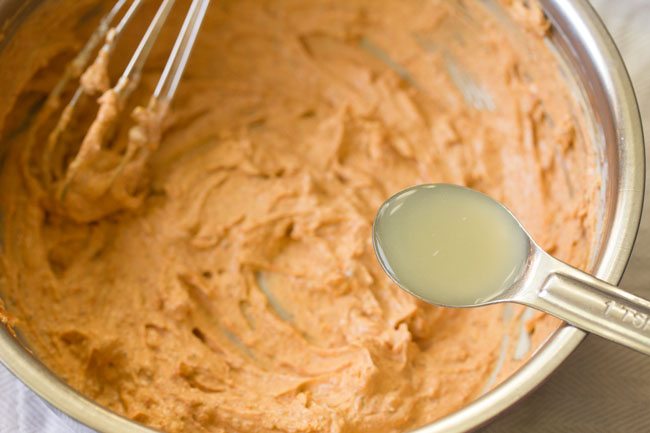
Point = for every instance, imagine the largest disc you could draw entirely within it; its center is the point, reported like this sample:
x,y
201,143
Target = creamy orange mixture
x,y
223,279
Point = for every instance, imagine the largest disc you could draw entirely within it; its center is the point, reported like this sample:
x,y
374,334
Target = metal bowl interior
x,y
593,63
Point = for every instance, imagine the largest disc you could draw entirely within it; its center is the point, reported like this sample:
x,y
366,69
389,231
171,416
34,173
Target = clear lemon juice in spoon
x,y
449,245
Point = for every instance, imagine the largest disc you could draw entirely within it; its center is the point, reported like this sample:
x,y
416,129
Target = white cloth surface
x,y
21,411
601,388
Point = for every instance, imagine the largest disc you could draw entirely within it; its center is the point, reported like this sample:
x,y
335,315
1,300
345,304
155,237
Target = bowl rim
x,y
616,253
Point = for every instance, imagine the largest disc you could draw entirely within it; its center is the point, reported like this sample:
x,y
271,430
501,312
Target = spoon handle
x,y
595,306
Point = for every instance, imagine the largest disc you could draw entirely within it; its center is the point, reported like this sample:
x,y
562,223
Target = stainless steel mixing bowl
x,y
592,60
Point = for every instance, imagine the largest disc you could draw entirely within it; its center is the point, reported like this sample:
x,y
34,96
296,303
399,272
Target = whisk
x,y
130,77
98,191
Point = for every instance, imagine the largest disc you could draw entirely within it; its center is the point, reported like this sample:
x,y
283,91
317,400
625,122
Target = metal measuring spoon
x,y
441,242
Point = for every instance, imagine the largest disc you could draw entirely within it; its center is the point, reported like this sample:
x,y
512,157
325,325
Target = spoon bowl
x,y
450,245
